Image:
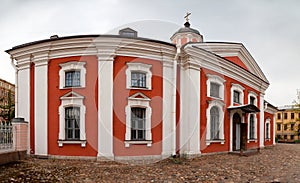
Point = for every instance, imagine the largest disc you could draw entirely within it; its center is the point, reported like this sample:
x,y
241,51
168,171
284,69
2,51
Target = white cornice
x,y
212,62
234,49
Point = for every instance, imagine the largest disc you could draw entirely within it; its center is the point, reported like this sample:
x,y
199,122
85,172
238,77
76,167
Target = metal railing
x,y
6,136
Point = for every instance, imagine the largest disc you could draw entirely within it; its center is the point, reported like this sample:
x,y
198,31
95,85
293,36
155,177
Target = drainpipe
x,y
174,99
16,86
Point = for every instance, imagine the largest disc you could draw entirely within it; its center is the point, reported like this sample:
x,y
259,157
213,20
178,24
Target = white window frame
x,y
255,128
142,101
139,67
268,121
252,94
215,79
220,105
70,66
71,99
240,89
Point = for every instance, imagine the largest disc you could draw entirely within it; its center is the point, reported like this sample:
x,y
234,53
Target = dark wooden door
x,y
243,136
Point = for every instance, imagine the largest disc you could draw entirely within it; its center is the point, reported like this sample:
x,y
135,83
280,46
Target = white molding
x,y
220,105
71,99
240,89
268,121
69,66
41,108
168,120
189,111
252,94
215,79
255,128
139,67
143,103
105,106
261,120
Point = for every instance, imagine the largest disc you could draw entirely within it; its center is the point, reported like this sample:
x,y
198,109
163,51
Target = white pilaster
x,y
190,111
105,106
261,121
41,107
169,132
274,128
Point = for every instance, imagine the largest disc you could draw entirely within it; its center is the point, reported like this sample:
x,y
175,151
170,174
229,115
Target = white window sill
x,y
71,87
62,142
128,142
267,139
137,88
251,140
208,142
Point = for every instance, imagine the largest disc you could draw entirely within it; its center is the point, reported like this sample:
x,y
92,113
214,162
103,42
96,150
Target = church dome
x,y
187,29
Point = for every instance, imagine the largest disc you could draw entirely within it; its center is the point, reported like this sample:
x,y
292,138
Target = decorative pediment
x,y
71,95
139,96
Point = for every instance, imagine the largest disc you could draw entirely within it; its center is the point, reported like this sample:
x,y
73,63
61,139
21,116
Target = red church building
x,y
125,97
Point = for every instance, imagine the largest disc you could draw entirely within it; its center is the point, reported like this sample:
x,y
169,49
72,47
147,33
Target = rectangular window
x,y
138,79
252,127
299,115
236,97
285,115
72,78
292,115
138,119
285,137
252,100
72,126
292,126
278,127
292,137
278,116
215,90
285,127
268,130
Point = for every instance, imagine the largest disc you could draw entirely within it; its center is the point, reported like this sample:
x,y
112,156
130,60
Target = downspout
x,y
16,86
174,100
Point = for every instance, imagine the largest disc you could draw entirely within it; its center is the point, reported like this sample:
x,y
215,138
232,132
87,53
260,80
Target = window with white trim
x,y
72,74
268,129
215,86
252,98
237,94
72,120
252,127
215,122
138,120
138,76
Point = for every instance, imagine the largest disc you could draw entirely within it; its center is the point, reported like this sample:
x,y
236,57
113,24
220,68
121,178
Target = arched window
x,y
215,123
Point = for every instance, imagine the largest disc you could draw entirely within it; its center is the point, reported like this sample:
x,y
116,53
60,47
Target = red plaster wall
x,y
218,147
237,61
90,92
120,102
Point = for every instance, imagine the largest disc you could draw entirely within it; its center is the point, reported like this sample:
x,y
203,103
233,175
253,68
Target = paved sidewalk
x,y
280,163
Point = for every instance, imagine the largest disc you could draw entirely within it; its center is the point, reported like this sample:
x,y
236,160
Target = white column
x,y
105,106
274,128
168,132
41,107
190,111
261,121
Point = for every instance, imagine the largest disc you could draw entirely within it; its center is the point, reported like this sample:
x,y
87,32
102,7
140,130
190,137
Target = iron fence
x,y
6,136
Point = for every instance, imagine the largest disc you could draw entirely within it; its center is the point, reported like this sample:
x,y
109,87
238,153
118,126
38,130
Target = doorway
x,y
239,133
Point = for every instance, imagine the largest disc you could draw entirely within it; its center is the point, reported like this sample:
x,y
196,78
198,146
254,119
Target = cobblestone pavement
x,y
280,163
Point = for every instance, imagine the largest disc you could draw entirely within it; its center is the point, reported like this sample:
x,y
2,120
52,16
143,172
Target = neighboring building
x,y
7,99
125,97
288,123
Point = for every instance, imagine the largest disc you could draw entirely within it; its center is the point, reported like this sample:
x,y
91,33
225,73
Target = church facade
x,y
125,97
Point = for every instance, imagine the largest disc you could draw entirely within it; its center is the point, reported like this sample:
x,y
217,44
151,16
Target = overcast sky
x,y
269,29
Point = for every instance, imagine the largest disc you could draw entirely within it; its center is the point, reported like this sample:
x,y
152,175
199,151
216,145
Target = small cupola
x,y
128,32
186,34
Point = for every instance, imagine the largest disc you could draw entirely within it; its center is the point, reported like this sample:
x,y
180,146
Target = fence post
x,y
20,128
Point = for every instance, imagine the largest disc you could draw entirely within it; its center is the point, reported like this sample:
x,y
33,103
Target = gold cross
x,y
187,16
